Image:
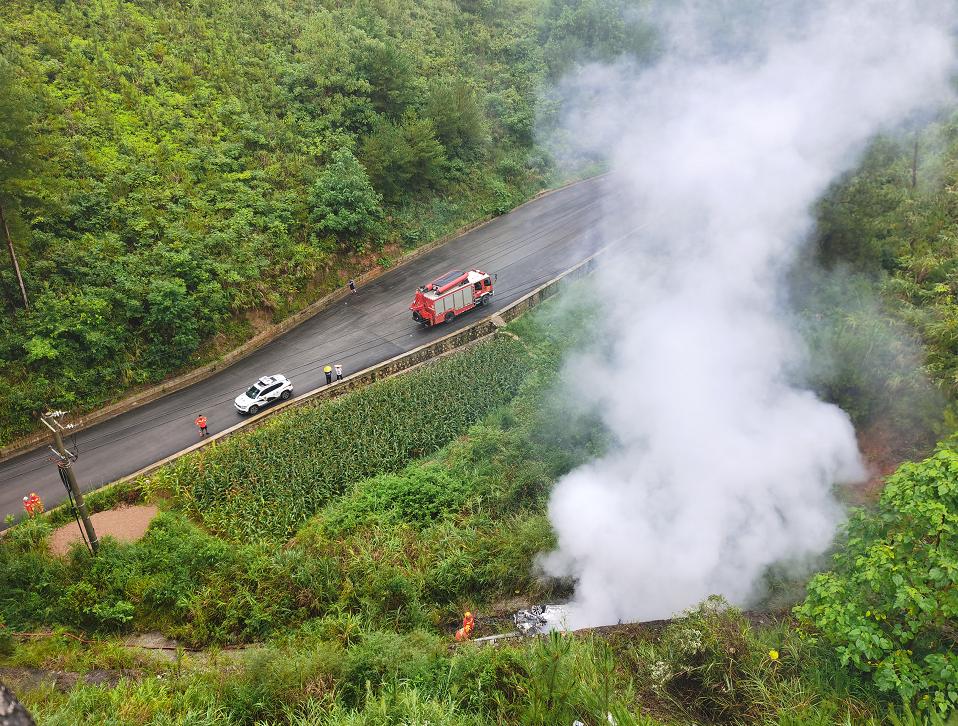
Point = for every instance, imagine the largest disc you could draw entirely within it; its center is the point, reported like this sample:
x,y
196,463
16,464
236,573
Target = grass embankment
x,y
709,667
356,607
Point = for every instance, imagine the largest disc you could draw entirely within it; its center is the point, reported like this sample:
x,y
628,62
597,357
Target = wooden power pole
x,y
13,259
65,465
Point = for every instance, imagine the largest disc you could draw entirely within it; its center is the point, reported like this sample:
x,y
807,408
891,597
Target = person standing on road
x,y
201,425
339,372
352,285
328,370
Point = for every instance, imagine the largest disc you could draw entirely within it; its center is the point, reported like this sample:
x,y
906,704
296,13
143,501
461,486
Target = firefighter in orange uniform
x,y
468,625
33,505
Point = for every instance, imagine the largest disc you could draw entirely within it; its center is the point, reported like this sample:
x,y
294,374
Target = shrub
x,y
890,605
342,199
418,495
383,658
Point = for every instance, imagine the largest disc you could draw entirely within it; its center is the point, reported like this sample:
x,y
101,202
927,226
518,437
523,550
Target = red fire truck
x,y
450,295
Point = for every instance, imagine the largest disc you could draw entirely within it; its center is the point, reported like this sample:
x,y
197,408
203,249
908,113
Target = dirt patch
x,y
259,320
23,679
125,524
882,452
497,624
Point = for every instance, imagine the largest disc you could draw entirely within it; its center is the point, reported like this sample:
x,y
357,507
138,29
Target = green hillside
x,y
175,173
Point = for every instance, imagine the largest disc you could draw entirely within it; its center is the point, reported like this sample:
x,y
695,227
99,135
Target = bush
x,y
418,495
890,605
383,658
177,579
342,200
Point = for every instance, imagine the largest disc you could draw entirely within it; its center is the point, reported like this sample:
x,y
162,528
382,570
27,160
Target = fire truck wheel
x,y
450,316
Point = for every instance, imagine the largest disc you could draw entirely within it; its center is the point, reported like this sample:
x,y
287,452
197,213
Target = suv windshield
x,y
253,392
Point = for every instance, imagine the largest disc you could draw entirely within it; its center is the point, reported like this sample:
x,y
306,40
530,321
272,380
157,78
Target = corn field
x,y
265,484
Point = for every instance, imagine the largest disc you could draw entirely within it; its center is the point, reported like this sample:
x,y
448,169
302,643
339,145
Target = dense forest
x,y
887,234
896,218
168,169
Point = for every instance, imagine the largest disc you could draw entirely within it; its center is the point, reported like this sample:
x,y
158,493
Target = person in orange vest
x,y
33,505
201,425
468,625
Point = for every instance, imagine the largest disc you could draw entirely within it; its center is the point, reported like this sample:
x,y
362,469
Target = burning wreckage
x,y
540,619
530,622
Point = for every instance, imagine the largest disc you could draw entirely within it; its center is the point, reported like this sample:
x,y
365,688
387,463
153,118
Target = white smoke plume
x,y
724,464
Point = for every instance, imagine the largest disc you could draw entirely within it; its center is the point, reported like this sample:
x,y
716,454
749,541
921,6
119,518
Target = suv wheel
x,y
253,410
285,395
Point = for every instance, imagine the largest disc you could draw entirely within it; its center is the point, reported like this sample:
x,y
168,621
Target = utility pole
x,y
13,258
65,461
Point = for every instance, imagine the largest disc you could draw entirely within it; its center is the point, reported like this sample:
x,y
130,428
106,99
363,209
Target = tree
x,y
890,606
342,199
172,321
580,31
403,157
456,116
391,75
15,158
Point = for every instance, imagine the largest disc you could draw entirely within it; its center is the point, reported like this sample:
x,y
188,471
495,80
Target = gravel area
x,y
126,524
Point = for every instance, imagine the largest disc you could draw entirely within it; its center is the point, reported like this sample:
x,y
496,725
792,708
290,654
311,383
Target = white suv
x,y
266,390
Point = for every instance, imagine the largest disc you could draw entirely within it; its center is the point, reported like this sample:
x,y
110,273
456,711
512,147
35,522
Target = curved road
x,y
525,248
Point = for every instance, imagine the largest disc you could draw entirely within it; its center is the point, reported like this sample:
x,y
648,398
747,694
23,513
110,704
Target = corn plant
x,y
264,484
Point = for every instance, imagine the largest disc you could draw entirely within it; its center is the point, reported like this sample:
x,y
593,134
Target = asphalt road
x,y
525,248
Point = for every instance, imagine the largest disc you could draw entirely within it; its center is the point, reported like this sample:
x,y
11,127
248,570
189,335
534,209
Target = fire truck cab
x,y
450,295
